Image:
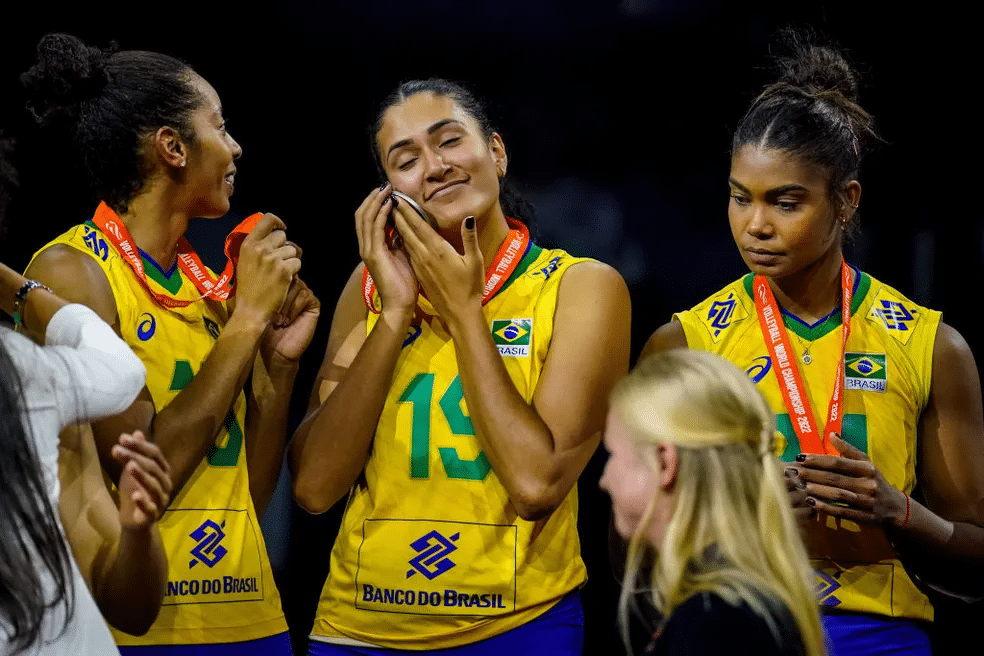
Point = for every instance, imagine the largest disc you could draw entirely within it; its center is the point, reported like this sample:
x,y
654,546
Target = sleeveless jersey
x,y
887,373
220,585
431,554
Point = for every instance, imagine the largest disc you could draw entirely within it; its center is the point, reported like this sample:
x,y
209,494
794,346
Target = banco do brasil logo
x,y
208,550
432,550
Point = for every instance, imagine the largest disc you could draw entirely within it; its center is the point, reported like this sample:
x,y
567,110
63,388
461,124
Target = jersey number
x,y
224,456
420,393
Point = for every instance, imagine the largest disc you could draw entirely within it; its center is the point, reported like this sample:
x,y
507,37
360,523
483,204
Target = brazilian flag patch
x,y
512,337
865,371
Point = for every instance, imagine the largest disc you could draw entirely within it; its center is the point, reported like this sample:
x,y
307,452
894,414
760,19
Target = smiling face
x,y
210,171
434,151
783,217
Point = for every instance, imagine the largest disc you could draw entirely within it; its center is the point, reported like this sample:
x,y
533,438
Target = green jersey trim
x,y
171,283
524,264
815,332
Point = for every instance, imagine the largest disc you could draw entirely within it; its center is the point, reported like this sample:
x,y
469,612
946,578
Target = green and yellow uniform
x,y
220,586
431,554
888,369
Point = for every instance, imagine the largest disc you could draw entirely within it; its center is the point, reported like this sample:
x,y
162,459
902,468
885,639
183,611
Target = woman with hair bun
x,y
878,401
694,479
153,137
463,391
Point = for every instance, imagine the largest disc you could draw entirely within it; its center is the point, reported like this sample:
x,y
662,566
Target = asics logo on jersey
x,y
762,366
720,314
432,550
208,550
147,326
893,314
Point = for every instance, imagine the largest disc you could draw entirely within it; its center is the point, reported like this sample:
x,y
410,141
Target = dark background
x,y
617,118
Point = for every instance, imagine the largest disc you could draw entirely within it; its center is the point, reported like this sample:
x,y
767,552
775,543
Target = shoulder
x,y
75,275
728,311
896,314
707,624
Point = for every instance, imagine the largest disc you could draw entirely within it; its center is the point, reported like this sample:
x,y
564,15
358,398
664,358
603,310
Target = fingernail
x,y
801,457
811,501
470,223
791,471
394,200
383,186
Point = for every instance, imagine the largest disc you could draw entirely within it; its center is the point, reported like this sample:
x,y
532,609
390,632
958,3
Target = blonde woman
x,y
693,477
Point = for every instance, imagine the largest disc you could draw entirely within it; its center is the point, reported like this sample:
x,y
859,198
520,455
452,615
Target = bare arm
x,y
668,336
186,427
538,451
274,372
331,445
943,541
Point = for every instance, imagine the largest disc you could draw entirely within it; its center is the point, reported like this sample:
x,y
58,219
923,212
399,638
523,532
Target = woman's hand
x,y
453,282
796,488
849,486
390,269
292,329
145,484
267,265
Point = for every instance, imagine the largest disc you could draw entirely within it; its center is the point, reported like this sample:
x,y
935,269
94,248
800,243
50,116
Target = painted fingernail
x,y
470,223
811,501
383,186
394,200
801,457
791,471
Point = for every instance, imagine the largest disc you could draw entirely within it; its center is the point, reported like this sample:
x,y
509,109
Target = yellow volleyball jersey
x,y
887,373
220,585
430,553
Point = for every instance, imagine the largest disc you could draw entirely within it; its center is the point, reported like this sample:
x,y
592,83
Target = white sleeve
x,y
94,372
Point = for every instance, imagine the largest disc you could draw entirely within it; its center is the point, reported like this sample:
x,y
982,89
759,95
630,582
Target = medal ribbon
x,y
794,394
512,250
113,228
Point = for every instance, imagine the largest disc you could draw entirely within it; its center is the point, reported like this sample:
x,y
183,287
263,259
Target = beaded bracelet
x,y
21,296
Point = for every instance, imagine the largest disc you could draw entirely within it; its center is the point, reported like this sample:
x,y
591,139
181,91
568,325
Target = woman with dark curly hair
x,y
153,138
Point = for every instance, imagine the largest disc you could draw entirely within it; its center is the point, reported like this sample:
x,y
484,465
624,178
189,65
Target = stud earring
x,y
183,162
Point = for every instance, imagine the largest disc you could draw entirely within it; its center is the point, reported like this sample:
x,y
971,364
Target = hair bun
x,y
815,68
67,72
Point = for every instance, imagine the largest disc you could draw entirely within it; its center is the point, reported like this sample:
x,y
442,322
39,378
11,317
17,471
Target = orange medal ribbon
x,y
791,385
512,250
113,228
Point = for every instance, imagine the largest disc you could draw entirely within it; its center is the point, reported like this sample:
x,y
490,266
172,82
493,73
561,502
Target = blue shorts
x,y
558,632
855,634
275,645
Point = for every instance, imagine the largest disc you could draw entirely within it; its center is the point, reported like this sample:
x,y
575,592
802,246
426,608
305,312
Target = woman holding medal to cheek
x,y
154,140
873,394
462,393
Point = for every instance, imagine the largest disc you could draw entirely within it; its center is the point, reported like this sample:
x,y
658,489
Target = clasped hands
x,y
847,486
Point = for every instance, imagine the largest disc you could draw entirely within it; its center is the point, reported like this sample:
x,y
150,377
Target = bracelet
x,y
908,511
21,297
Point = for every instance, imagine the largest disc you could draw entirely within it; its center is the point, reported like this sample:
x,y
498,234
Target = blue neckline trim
x,y
166,274
857,281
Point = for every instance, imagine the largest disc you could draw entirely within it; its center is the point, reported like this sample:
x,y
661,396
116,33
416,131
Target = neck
x,y
155,225
814,292
491,233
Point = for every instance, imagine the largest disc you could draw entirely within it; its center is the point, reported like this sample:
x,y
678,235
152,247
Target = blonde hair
x,y
732,530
